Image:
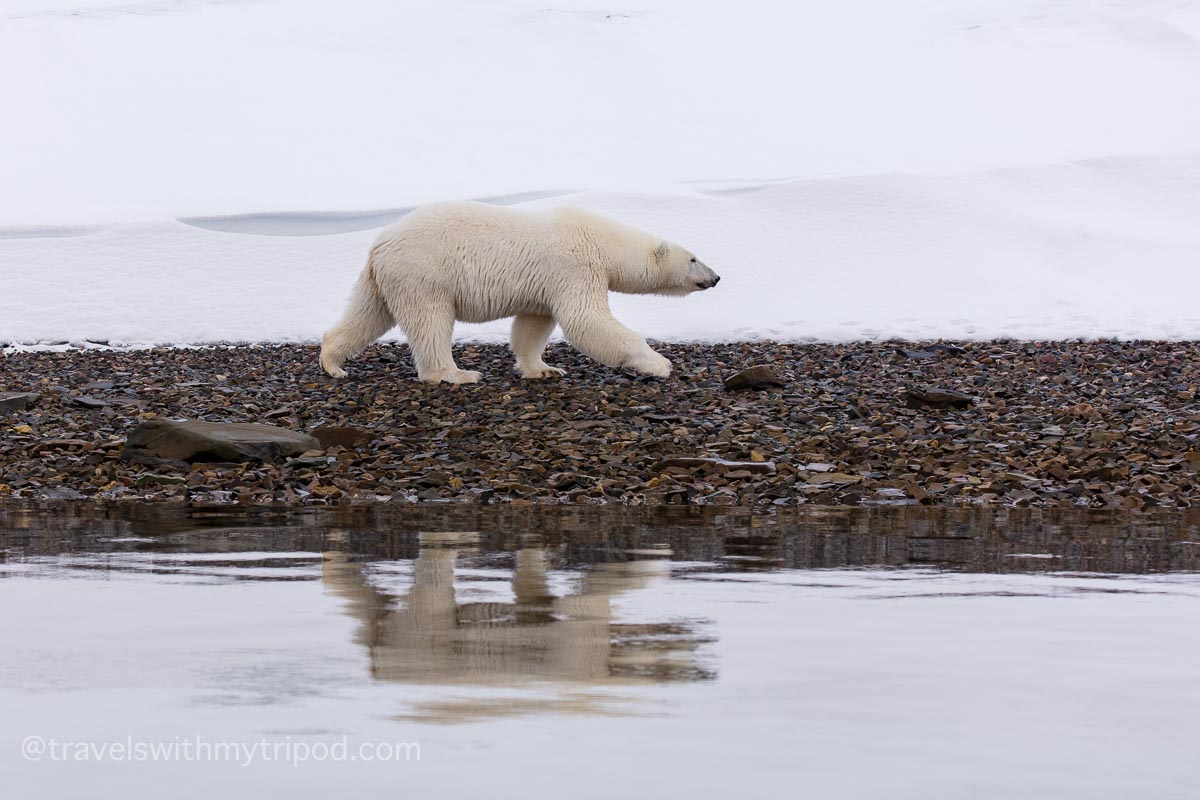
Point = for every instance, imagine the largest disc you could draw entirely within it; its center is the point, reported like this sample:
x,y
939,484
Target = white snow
x,y
193,171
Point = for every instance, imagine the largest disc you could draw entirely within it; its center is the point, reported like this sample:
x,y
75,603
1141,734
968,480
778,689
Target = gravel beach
x,y
1090,424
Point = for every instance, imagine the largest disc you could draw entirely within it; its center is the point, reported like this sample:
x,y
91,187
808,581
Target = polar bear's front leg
x,y
598,334
529,335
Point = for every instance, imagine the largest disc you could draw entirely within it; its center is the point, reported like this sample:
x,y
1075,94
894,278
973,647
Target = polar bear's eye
x,y
693,259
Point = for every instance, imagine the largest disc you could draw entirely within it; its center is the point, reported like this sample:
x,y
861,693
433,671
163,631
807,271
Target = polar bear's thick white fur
x,y
476,263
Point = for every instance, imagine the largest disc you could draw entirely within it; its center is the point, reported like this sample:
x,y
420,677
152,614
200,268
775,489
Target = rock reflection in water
x,y
962,539
569,644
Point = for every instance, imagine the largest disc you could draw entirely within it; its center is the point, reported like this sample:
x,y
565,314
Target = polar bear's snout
x,y
702,276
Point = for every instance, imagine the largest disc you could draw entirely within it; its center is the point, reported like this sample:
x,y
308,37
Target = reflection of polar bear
x,y
476,263
567,648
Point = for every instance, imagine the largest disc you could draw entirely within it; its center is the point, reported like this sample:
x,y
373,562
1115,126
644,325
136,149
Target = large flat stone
x,y
193,440
11,402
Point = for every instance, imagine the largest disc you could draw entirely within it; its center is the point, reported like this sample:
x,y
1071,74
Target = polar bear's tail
x,y
366,319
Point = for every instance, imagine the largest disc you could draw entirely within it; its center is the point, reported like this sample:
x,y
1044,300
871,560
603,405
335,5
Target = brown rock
x,y
341,436
434,478
192,440
757,377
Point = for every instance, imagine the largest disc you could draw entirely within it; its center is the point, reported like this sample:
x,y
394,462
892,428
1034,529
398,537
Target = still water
x,y
449,652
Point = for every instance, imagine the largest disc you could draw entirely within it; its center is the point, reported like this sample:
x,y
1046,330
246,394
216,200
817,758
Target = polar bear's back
x,y
489,261
461,219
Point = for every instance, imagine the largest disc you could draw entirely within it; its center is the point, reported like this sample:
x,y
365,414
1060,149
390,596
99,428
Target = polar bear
x,y
476,263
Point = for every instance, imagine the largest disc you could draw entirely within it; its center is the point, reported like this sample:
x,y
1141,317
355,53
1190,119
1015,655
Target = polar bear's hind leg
x,y
366,319
529,335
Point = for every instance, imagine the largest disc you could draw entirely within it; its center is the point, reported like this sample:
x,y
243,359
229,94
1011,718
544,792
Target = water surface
x,y
597,653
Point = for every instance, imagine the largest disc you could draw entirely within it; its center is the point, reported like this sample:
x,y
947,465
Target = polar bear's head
x,y
638,262
678,272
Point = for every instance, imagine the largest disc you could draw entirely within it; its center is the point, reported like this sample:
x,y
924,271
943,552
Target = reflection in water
x,y
921,643
524,610
963,539
429,636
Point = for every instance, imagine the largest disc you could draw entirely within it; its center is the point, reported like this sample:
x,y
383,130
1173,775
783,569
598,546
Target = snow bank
x,y
1107,247
864,168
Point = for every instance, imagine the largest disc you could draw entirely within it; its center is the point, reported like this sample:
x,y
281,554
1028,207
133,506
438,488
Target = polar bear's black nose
x,y
709,283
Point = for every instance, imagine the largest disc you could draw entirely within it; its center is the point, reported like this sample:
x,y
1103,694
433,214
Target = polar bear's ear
x,y
660,252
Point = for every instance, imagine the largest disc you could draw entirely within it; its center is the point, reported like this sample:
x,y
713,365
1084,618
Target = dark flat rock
x,y
930,397
193,440
17,401
916,355
89,402
758,377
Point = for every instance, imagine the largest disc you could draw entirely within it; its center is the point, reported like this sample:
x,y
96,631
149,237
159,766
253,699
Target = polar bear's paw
x,y
650,364
540,371
331,365
455,376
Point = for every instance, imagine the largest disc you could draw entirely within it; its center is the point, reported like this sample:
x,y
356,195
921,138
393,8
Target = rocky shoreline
x,y
1091,424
